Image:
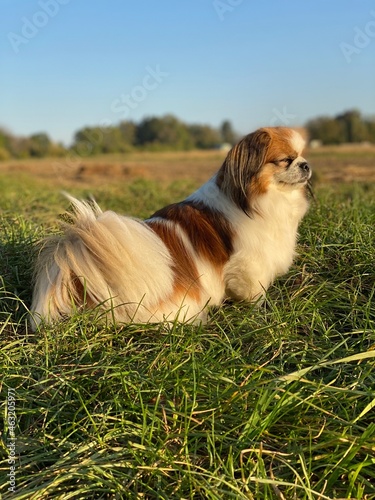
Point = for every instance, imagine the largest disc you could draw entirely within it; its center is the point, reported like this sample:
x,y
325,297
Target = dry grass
x,y
330,164
111,169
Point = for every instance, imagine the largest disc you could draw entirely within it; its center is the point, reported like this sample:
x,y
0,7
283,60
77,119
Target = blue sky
x,y
70,63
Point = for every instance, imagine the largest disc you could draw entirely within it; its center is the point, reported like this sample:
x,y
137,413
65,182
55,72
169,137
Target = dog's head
x,y
268,158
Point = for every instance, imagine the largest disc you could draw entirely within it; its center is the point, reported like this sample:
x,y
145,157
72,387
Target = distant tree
x,y
5,139
164,132
112,140
147,131
39,145
370,126
88,141
57,149
128,131
349,127
354,128
20,147
227,133
204,136
326,129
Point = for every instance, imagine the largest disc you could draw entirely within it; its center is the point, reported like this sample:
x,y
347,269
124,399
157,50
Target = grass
x,y
273,402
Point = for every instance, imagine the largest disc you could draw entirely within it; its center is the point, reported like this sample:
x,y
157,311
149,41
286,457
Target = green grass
x,y
261,403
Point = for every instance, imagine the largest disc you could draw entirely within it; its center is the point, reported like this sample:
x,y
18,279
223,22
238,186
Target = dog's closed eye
x,y
286,161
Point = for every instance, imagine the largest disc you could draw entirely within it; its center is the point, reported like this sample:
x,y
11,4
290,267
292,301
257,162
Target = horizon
x,y
301,128
254,65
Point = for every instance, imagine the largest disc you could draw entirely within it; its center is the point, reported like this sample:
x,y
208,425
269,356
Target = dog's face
x,y
268,158
283,161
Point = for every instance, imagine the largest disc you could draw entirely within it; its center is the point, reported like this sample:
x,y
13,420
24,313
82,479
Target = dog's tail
x,y
101,259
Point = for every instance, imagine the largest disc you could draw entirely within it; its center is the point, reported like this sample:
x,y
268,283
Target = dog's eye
x,y
286,160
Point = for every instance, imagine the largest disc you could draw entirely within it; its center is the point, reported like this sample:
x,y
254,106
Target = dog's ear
x,y
241,165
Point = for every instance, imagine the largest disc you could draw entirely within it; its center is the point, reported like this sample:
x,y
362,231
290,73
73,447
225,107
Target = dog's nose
x,y
304,166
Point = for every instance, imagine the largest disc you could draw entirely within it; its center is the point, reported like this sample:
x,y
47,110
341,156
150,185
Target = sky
x,y
66,64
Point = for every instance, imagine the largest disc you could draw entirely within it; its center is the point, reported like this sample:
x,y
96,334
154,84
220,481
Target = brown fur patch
x,y
186,278
79,293
280,145
259,183
208,230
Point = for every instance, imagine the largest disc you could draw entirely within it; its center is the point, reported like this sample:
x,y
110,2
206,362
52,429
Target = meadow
x,y
269,402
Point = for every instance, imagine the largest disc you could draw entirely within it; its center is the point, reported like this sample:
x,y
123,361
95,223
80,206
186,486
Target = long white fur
x,y
264,245
121,258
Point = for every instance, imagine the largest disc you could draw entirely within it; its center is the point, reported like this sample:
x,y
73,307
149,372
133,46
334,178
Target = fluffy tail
x,y
101,259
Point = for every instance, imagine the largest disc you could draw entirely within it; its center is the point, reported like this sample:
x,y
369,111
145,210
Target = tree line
x,y
36,145
155,134
347,127
170,133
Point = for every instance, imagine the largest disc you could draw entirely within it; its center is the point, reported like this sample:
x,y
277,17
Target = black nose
x,y
304,166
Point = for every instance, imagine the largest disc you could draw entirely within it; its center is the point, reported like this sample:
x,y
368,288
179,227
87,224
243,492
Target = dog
x,y
229,239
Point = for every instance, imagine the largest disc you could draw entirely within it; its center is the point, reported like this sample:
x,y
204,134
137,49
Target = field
x,y
270,402
331,164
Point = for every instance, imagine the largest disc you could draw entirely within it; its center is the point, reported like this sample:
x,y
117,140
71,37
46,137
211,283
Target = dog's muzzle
x,y
305,169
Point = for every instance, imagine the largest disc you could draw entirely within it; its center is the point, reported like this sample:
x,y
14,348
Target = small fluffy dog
x,y
231,238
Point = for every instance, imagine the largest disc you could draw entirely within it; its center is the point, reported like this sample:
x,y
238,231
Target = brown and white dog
x,y
231,238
